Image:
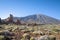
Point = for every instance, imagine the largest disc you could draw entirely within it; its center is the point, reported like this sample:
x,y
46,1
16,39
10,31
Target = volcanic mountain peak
x,y
39,19
36,18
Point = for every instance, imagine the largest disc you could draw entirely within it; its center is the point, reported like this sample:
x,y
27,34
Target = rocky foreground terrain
x,y
19,32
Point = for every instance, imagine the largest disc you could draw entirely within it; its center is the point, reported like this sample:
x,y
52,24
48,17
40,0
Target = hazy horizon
x,y
22,8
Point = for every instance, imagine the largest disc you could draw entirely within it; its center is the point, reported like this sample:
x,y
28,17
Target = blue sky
x,y
21,8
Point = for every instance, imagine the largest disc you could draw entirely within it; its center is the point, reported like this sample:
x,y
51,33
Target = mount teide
x,y
38,19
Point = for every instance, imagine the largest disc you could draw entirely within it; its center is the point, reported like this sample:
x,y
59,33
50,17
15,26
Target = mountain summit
x,y
38,19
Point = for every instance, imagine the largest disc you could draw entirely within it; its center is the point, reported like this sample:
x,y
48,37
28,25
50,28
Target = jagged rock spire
x,y
10,19
11,16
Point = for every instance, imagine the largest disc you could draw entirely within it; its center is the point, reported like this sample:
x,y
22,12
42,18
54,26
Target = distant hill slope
x,y
39,19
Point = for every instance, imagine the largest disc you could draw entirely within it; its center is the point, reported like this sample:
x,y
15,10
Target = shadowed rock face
x,y
38,19
0,20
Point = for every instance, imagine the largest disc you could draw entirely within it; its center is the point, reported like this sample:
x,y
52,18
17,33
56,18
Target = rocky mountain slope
x,y
38,19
